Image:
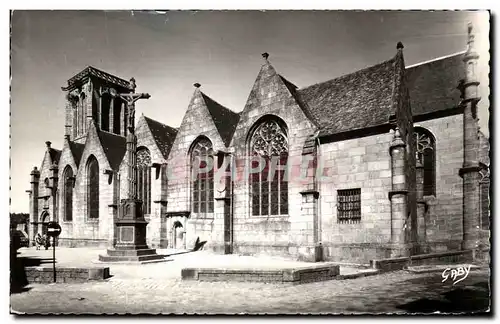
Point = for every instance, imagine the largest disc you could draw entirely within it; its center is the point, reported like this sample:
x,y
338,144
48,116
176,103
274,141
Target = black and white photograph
x,y
250,162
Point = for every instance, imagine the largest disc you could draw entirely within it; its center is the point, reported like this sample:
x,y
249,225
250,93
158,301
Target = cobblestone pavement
x,y
158,289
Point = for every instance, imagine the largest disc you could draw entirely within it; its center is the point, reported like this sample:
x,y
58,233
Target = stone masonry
x,y
352,132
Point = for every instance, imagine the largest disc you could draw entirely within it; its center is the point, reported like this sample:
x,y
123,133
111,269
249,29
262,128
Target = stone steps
x,y
131,256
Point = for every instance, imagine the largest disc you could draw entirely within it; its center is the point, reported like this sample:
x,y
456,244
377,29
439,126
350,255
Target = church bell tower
x,y
89,99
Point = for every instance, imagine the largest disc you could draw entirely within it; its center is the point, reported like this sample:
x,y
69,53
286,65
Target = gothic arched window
x,y
269,145
67,194
117,109
92,188
202,176
426,153
105,112
81,114
144,178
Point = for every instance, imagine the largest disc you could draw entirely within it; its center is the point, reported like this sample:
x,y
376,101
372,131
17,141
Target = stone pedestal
x,y
130,243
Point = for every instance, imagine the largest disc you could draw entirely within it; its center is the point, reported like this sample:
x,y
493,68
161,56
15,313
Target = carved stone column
x,y
399,197
223,225
421,207
35,179
470,170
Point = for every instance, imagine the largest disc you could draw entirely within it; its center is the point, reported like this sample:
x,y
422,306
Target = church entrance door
x,y
178,236
45,220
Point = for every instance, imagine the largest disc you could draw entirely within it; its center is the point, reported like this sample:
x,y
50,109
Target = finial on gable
x,y
197,85
48,143
265,55
400,46
470,37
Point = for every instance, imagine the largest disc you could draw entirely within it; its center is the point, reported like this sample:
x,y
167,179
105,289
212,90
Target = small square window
x,y
349,205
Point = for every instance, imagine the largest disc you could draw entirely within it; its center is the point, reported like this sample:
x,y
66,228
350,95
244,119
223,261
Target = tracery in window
x,y
269,144
426,154
202,177
144,178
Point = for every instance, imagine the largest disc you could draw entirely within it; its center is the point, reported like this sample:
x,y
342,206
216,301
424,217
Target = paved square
x,y
157,288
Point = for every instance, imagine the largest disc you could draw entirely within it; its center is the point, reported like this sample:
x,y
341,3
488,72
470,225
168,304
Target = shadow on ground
x,y
475,298
18,278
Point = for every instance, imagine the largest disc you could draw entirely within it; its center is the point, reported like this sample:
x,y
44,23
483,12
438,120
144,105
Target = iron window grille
x,y
349,205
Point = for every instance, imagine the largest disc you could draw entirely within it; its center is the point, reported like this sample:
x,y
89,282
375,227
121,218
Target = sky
x,y
167,52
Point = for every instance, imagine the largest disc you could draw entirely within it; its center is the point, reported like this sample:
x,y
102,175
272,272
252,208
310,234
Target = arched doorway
x,y
178,236
45,218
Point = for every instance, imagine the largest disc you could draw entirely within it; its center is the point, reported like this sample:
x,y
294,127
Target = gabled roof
x,y
54,155
302,104
433,84
77,151
224,119
358,100
163,135
92,71
114,147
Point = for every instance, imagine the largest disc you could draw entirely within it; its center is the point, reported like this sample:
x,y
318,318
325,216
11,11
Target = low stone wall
x,y
76,242
65,274
293,276
392,264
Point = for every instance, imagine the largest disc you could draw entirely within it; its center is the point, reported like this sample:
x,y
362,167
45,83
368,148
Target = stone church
x,y
391,163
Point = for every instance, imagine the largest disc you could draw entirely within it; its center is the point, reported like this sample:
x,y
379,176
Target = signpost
x,y
53,229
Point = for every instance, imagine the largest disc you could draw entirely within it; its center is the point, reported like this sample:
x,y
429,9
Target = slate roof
x,y
77,151
114,147
302,104
225,120
353,101
433,85
163,135
92,71
54,155
363,99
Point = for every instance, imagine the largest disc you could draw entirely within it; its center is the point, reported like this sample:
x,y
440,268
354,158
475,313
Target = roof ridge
x,y
348,74
106,132
76,155
225,120
435,59
221,105
158,122
114,153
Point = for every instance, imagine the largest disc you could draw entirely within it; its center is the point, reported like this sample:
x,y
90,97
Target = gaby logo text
x,y
456,275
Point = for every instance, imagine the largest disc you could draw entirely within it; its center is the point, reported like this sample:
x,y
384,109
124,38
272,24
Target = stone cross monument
x,y
130,226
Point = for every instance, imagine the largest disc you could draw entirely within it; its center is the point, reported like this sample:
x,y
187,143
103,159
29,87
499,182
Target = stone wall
x,y
285,235
155,218
43,191
444,214
99,231
357,163
197,122
66,160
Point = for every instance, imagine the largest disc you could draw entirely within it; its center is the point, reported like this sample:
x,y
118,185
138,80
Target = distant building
x,y
399,148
